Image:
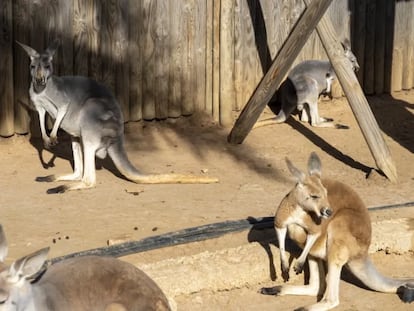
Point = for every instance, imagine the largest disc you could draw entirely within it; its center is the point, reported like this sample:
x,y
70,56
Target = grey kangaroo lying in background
x,y
302,88
81,284
331,223
89,112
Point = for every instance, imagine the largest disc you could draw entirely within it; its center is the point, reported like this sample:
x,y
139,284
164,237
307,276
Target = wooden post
x,y
227,94
216,60
21,68
356,98
278,69
135,61
6,70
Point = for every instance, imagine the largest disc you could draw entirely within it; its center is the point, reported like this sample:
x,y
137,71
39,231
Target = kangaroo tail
x,y
118,155
368,274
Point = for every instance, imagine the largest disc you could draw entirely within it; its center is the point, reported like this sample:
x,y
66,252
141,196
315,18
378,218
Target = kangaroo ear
x,y
346,44
298,174
51,50
3,245
314,165
30,51
28,266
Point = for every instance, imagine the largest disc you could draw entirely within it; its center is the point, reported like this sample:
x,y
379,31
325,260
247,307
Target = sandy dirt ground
x,y
253,179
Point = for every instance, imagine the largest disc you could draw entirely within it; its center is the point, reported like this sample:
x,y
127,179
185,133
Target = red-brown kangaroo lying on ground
x,y
78,284
89,112
331,223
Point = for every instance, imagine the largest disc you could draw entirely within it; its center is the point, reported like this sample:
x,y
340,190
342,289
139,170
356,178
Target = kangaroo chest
x,y
43,101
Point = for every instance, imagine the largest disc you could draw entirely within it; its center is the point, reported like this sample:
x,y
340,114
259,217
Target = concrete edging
x,y
249,264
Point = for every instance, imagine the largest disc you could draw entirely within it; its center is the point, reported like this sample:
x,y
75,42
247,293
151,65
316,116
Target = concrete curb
x,y
250,264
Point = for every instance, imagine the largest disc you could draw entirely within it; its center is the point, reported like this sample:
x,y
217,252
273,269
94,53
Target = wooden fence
x,y
171,58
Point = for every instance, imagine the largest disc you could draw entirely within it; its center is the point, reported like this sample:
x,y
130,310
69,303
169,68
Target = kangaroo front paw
x,y
53,140
285,272
298,267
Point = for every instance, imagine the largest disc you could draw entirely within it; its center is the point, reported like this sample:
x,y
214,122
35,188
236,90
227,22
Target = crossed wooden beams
x,y
312,18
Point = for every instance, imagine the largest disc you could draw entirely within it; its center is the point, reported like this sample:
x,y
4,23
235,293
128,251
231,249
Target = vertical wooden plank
x,y
216,59
148,61
226,62
94,40
369,69
397,59
209,58
81,13
189,75
107,37
21,67
239,31
249,57
410,44
379,56
389,41
176,50
160,34
119,24
135,61
200,55
407,79
6,69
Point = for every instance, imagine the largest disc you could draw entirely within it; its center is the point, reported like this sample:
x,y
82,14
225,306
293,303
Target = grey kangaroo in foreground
x,y
81,284
302,88
89,112
331,223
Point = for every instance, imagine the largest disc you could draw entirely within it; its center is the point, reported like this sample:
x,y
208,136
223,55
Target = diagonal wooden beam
x,y
356,98
283,61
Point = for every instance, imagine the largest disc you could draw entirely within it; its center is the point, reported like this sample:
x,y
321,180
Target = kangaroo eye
x,y
315,197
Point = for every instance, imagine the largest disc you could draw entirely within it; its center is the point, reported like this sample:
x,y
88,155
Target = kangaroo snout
x,y
356,67
326,212
40,78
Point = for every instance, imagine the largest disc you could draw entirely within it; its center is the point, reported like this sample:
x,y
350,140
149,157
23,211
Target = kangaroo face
x,y
352,58
312,197
348,53
41,69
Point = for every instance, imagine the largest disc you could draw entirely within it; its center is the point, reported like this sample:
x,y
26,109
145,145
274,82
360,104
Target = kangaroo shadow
x,y
263,232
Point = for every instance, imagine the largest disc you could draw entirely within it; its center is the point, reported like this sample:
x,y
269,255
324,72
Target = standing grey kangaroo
x,y
89,112
331,223
302,88
81,284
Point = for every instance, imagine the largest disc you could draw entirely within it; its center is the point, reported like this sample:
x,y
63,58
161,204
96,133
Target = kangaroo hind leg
x,y
88,179
77,166
313,288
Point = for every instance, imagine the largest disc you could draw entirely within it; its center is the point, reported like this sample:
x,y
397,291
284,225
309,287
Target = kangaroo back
x,y
82,284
